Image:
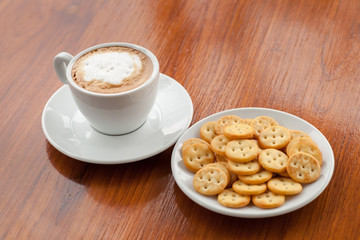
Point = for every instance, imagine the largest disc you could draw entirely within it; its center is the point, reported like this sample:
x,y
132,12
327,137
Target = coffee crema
x,y
112,70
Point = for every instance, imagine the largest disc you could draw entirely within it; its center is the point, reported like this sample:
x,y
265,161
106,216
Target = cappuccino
x,y
112,69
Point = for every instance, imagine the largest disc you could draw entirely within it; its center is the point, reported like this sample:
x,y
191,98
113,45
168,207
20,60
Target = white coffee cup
x,y
115,113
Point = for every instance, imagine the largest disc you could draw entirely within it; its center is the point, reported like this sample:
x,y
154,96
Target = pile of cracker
x,y
244,160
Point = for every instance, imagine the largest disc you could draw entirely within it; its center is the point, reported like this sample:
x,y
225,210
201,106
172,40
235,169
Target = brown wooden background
x,y
299,56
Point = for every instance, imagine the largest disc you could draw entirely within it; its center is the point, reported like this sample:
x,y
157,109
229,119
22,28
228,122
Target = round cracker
x,y
262,122
294,141
257,178
242,150
232,199
284,186
190,141
223,167
246,168
225,121
274,137
207,131
197,155
248,189
303,168
218,144
273,160
308,146
268,199
210,181
239,131
298,133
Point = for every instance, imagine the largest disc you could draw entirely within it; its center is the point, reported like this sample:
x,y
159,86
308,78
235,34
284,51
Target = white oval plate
x,y
184,177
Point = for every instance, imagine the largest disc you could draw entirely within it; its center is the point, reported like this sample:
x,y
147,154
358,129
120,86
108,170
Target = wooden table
x,y
301,57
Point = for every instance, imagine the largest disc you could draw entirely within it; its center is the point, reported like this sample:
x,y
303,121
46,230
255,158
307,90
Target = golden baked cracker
x,y
296,140
284,186
303,167
239,131
274,137
298,133
190,141
308,146
268,199
223,167
257,178
246,168
232,199
273,160
207,131
197,155
224,121
262,122
218,144
209,181
242,150
248,189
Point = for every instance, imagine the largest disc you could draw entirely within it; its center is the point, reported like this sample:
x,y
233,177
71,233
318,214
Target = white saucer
x,y
70,133
184,178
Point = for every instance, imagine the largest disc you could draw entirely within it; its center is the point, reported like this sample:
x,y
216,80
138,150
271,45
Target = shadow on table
x,y
130,184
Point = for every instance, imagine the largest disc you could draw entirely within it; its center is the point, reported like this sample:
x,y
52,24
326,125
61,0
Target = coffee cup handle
x,y
61,61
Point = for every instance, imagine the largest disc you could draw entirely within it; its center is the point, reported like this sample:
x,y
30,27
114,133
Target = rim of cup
x,y
147,52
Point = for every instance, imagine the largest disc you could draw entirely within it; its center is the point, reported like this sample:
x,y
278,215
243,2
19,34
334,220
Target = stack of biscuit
x,y
244,160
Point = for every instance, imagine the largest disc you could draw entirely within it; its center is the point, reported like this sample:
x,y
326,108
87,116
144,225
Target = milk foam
x,y
111,67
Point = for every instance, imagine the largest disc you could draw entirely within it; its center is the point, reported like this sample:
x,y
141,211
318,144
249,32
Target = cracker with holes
x,y
262,122
284,186
209,181
303,168
190,141
225,121
207,131
242,150
257,178
232,199
306,146
294,141
298,133
246,168
273,160
197,155
239,131
218,144
268,199
223,167
248,189
274,137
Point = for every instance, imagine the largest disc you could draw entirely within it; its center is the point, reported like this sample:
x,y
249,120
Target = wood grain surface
x,y
298,56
